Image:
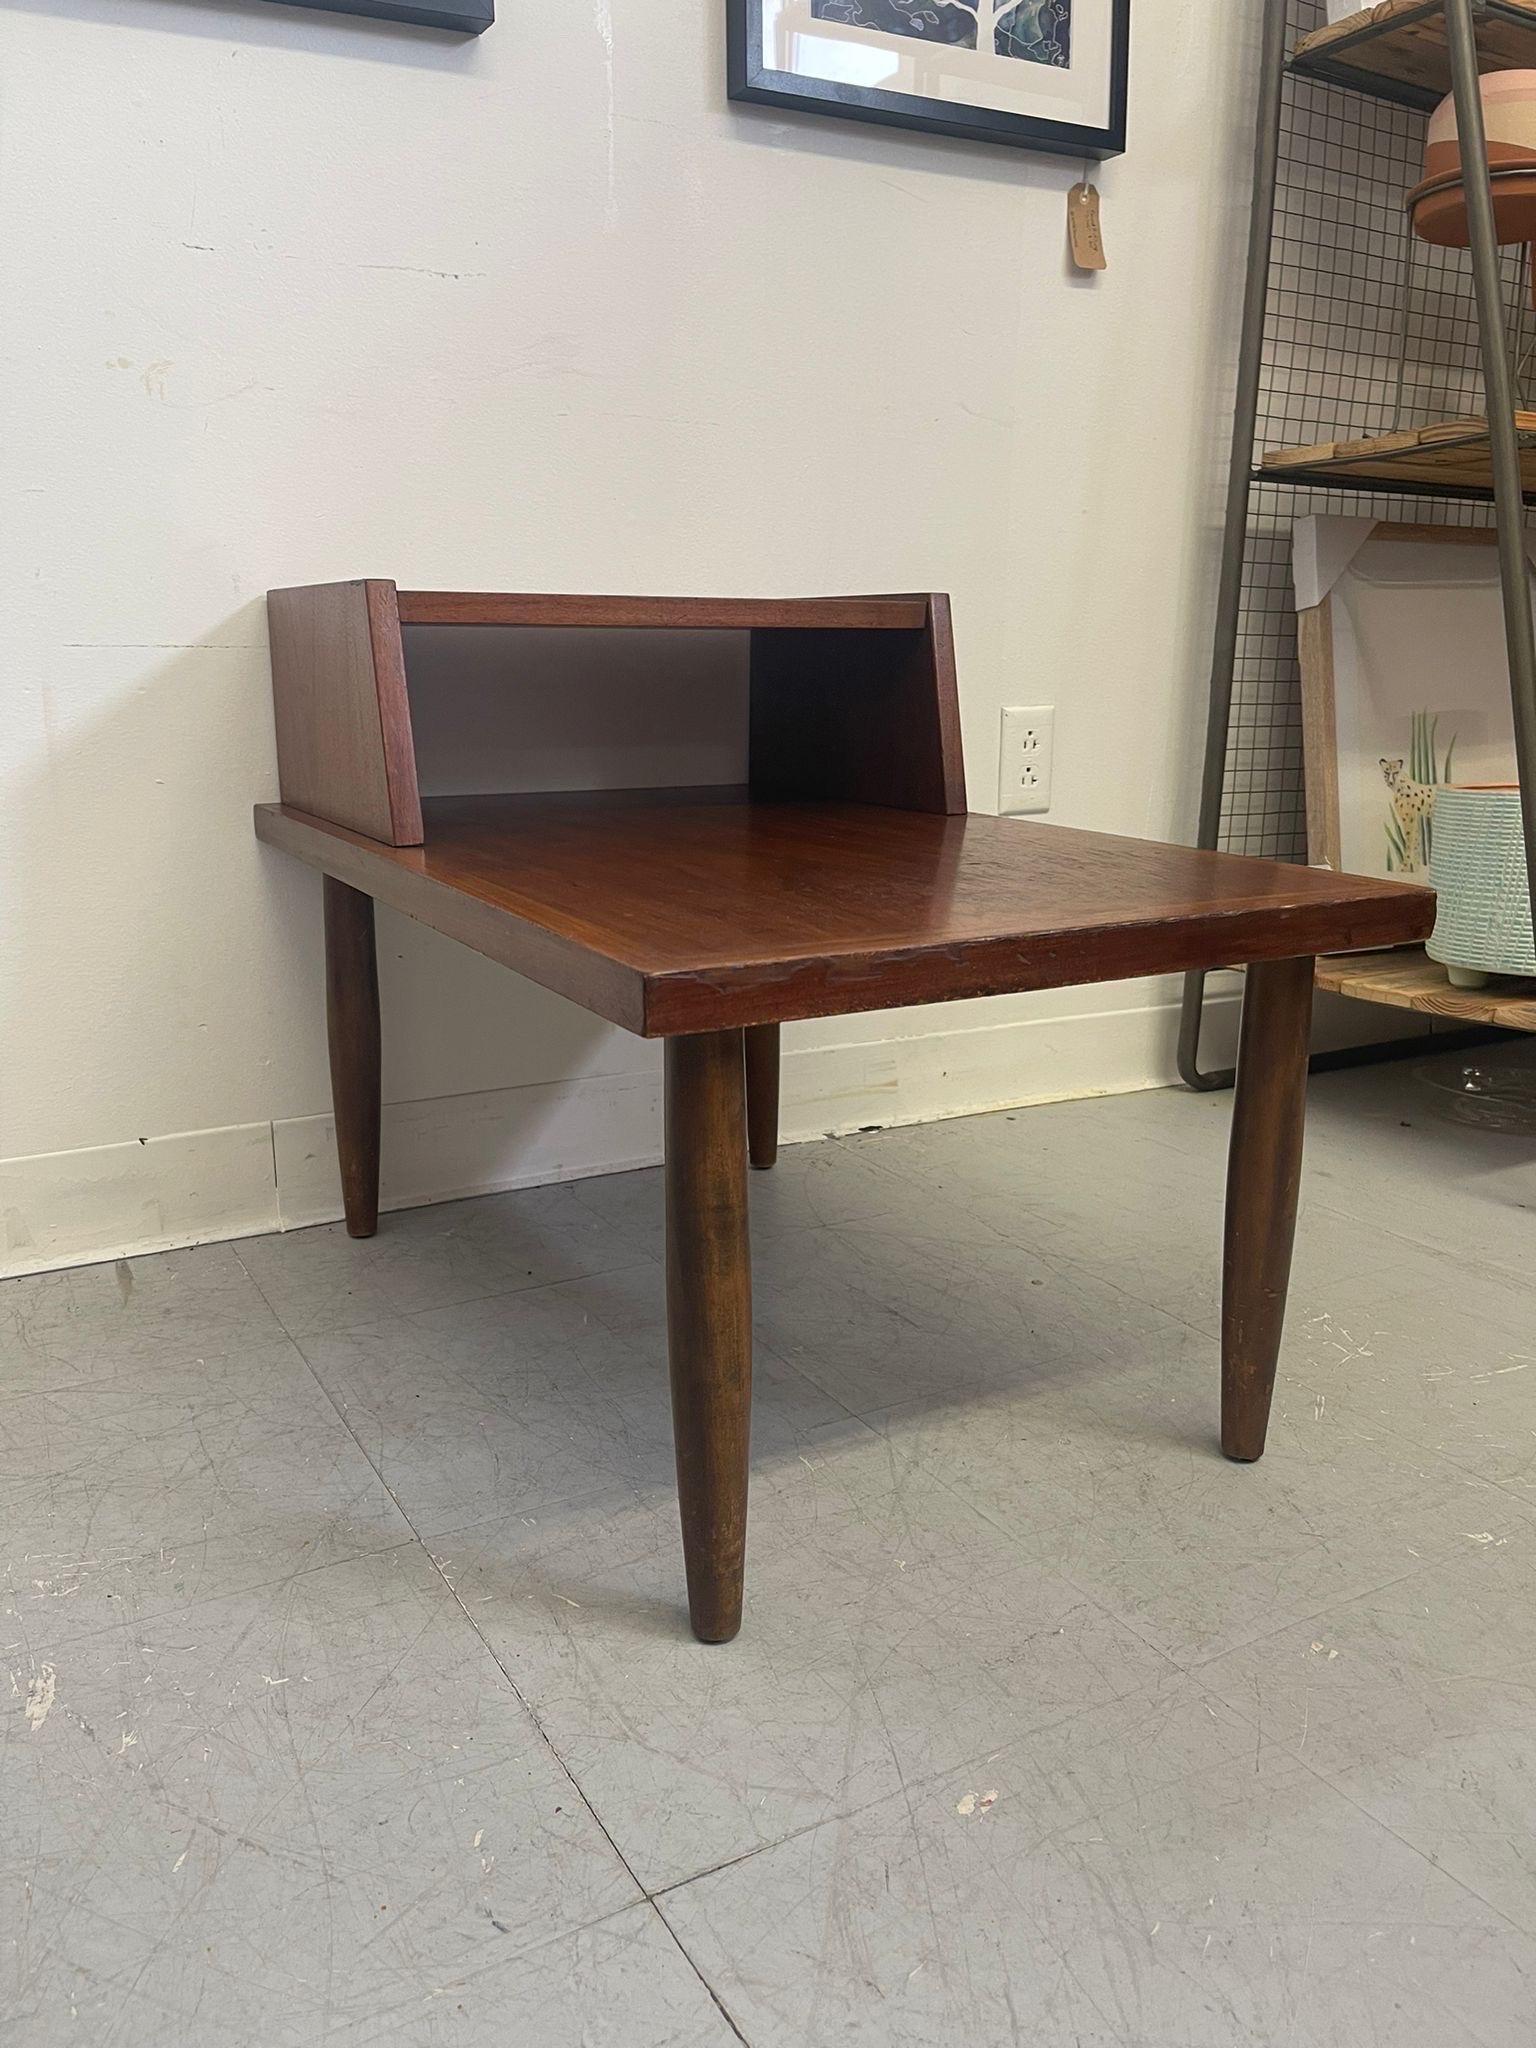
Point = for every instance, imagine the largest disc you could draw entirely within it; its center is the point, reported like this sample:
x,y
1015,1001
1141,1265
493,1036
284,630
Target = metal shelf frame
x,y
1375,487
1500,400
1347,61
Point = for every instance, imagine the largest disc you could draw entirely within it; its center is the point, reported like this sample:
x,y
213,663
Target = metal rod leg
x,y
1499,401
1250,363
1406,295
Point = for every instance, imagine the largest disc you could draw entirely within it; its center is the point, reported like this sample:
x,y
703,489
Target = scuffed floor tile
x,y
277,1816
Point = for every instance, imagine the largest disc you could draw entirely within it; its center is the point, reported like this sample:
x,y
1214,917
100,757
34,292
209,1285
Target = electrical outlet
x,y
1024,761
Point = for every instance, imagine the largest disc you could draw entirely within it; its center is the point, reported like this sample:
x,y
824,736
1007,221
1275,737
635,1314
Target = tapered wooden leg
x,y
763,1094
352,1023
709,1319
1263,1178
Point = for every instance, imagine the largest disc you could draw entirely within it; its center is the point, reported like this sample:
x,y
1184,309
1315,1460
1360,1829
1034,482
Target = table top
x,y
670,911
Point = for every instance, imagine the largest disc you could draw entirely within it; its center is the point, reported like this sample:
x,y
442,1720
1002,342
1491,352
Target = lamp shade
x,y
1438,206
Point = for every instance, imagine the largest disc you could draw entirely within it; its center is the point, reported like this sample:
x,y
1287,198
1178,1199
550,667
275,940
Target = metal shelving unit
x,y
1368,363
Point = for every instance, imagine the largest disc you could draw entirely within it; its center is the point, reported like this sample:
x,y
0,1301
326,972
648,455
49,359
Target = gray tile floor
x,y
352,1700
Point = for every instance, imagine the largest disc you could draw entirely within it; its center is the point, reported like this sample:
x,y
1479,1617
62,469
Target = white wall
x,y
289,297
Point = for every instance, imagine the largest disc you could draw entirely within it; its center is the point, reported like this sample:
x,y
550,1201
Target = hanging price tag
x,y
1083,228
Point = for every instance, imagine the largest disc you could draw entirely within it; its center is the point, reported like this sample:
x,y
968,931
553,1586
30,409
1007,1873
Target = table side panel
x,y
867,717
783,992
339,700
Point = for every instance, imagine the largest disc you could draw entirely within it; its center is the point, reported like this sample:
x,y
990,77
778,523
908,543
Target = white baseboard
x,y
476,1144
149,1195
115,1201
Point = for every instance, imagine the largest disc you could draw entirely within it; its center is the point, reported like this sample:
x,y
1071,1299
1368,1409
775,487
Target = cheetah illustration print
x,y
1412,803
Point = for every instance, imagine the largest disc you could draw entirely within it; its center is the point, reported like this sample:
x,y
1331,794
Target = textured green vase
x,y
1483,924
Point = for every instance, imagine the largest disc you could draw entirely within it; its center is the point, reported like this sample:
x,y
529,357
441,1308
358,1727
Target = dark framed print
x,y
457,17
1039,74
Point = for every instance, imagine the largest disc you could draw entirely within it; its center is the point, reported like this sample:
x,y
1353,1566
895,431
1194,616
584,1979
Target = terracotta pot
x,y
1438,206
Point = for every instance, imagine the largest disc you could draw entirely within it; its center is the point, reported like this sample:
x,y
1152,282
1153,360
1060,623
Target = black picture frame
x,y
750,80
453,17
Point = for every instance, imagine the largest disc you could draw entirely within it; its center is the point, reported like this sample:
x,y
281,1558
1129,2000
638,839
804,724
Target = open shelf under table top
x,y
693,910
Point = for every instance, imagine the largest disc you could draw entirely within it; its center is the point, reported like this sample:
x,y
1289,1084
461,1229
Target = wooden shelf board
x,y
1397,50
1410,980
1448,456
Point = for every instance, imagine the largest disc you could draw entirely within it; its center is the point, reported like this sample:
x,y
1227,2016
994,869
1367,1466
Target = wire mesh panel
x,y
1367,329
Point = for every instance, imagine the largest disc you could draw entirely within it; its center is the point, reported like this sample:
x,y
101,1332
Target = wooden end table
x,y
843,875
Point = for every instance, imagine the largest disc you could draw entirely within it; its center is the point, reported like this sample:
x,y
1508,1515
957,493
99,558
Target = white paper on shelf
x,y
1326,547
1321,550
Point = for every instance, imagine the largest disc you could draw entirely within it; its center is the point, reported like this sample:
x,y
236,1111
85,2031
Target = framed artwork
x,y
1404,684
456,17
1039,74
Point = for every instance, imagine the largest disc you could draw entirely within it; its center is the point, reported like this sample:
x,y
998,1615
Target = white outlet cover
x,y
1025,760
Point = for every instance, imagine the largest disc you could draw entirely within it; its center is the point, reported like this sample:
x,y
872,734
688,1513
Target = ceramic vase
x,y
1477,864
